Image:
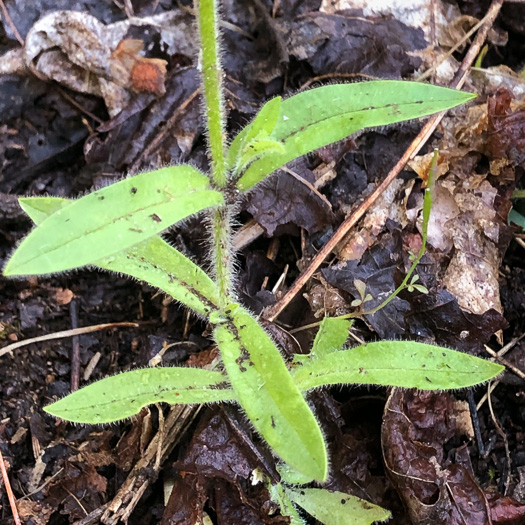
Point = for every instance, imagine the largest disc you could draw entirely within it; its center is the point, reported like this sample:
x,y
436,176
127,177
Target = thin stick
x,y
10,495
75,347
413,149
5,12
65,333
501,432
475,421
505,363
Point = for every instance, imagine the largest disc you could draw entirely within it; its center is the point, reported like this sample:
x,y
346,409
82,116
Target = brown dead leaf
x,y
505,510
78,51
506,128
422,163
416,428
386,207
38,513
63,296
326,300
286,200
472,275
145,74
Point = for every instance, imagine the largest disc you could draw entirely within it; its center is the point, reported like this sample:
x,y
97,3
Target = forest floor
x,y
67,126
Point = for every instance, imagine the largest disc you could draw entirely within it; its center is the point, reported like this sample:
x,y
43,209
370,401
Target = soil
x,y
462,453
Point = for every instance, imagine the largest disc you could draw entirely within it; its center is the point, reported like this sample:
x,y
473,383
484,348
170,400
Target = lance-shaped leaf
x,y
122,396
397,363
287,508
318,117
259,128
337,508
112,219
266,391
153,261
332,336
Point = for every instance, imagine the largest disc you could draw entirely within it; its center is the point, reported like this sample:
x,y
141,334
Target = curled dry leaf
x,y
78,51
326,300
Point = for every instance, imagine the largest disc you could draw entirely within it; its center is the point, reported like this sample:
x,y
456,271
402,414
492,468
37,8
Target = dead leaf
x,y
63,296
387,206
416,428
437,317
38,513
78,51
505,510
145,74
286,200
506,128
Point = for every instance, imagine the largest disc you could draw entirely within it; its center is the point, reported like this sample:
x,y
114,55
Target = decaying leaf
x,y
416,426
78,51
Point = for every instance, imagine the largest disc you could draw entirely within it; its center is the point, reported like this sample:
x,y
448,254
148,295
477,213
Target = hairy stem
x,y
207,21
222,253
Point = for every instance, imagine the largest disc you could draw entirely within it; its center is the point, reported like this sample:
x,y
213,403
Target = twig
x,y
75,347
178,420
10,495
413,149
93,517
5,12
475,422
75,104
64,333
500,431
452,50
505,363
489,391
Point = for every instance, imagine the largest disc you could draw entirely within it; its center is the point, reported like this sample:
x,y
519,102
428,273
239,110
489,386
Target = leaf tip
x,y
8,270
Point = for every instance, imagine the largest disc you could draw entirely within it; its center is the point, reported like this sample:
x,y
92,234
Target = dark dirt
x,y
57,141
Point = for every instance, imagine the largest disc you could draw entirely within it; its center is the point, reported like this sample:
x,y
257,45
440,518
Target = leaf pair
x,y
262,383
112,219
151,260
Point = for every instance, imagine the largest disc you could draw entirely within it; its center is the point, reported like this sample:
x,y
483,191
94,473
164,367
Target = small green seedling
x,y
329,508
118,228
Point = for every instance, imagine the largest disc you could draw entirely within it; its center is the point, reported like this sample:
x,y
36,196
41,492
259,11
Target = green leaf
x,y
40,208
516,218
260,148
153,261
318,117
291,476
122,396
112,219
332,336
397,363
279,496
160,265
266,391
260,127
337,508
